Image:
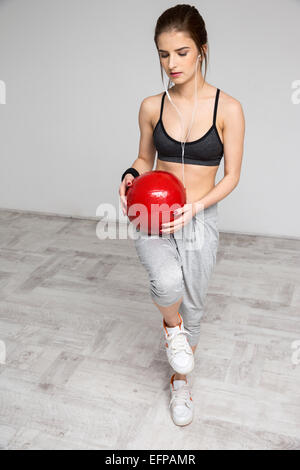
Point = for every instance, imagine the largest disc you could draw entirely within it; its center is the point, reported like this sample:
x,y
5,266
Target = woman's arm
x,y
147,150
233,142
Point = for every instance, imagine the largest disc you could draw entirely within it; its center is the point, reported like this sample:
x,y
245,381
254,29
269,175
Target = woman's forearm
x,y
221,190
141,165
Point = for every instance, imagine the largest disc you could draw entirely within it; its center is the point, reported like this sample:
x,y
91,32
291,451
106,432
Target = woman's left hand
x,y
183,216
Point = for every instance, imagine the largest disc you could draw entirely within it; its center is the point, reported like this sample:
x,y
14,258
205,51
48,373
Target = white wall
x,y
77,71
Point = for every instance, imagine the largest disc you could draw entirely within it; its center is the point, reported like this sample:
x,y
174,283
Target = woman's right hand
x,y
127,182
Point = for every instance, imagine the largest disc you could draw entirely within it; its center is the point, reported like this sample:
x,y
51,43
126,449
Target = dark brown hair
x,y
187,19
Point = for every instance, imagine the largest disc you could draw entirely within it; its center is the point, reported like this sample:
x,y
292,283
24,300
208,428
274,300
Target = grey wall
x,y
77,71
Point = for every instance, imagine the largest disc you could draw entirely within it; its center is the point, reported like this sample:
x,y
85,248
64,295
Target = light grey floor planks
x,y
85,362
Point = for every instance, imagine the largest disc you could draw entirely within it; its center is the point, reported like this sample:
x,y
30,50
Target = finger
x,y
175,229
124,199
167,232
177,212
123,207
175,223
172,223
171,229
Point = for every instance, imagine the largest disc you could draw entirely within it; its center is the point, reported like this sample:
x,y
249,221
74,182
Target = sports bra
x,y
208,150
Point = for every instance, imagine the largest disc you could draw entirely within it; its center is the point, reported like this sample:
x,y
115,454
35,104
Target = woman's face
x,y
178,53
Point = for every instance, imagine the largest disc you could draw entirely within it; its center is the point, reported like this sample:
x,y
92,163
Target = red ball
x,y
152,198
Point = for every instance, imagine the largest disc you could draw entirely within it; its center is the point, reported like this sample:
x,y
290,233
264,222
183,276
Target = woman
x,y
179,277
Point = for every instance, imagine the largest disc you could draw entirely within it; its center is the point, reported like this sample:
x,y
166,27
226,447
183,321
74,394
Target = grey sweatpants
x,y
180,264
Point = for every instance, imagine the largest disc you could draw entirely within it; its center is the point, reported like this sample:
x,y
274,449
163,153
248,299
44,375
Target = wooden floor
x,y
85,362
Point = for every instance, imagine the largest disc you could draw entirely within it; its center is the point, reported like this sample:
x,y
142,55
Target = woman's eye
x,y
165,56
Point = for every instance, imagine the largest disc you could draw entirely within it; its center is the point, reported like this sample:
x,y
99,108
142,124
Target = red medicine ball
x,y
156,195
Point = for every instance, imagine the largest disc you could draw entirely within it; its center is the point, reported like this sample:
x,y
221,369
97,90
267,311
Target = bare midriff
x,y
198,179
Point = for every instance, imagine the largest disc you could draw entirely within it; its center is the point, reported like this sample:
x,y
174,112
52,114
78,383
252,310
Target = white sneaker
x,y
181,404
179,352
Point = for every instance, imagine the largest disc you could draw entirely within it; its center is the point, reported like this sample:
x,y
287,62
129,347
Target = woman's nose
x,y
171,63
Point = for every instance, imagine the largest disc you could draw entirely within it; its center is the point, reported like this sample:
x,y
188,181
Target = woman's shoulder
x,y
151,106
152,100
228,101
228,106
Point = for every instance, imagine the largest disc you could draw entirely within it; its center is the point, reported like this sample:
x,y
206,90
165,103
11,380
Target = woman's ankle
x,y
172,326
179,377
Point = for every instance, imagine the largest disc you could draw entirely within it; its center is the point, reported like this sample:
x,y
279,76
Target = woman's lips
x,y
175,74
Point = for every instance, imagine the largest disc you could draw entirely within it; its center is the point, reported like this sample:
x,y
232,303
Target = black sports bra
x,y
208,150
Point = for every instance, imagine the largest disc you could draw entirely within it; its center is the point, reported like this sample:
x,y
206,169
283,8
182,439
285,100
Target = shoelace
x,y
181,396
178,342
